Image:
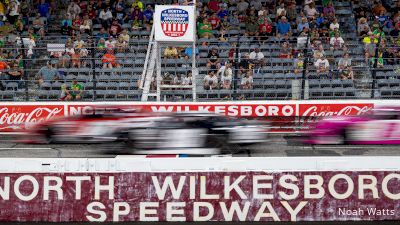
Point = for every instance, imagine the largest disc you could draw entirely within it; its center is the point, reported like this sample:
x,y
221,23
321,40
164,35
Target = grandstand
x,y
329,52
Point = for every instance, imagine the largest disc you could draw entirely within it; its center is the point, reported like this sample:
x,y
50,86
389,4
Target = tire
x,y
219,142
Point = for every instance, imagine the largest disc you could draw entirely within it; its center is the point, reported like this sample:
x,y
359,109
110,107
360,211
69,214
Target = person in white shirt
x,y
256,57
110,43
178,79
79,43
247,81
334,25
105,17
322,65
210,81
188,79
73,9
226,78
336,42
310,10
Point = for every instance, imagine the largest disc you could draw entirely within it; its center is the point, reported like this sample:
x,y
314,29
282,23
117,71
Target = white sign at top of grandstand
x,y
174,23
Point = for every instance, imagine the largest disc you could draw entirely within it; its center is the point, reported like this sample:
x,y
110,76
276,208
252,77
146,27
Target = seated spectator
x,y
78,43
204,30
3,68
47,73
310,10
110,43
283,27
251,24
344,62
334,25
101,44
148,15
213,61
370,46
378,8
215,21
329,10
86,25
121,45
363,27
15,73
119,8
303,24
105,17
188,79
210,81
178,79
336,42
226,77
102,34
265,24
13,11
109,60
247,81
76,23
76,59
38,25
291,12
125,35
213,5
44,9
171,52
225,24
281,11
167,79
66,25
322,65
286,51
223,39
299,64
347,73
319,52
242,6
189,52
379,62
115,29
75,92
73,9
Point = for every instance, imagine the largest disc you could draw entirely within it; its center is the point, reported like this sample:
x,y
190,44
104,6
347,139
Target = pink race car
x,y
378,127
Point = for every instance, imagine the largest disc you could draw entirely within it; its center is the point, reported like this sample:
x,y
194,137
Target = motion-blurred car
x,y
139,132
379,127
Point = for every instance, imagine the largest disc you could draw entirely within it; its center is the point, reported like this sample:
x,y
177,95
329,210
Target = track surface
x,y
277,146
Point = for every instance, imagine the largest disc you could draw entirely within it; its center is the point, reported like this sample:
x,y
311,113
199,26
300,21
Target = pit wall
x,y
200,189
289,115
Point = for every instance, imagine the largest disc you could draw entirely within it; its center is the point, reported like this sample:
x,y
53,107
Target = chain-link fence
x,y
243,68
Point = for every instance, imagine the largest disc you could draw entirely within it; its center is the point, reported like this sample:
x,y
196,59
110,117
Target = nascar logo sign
x,y
174,23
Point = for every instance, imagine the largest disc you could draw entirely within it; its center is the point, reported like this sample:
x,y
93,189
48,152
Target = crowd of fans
x,y
105,27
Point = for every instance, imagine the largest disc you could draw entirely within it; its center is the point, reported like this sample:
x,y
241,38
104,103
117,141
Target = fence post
x,y
305,63
235,76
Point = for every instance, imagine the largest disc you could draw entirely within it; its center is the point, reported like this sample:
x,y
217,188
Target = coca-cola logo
x,y
345,111
21,120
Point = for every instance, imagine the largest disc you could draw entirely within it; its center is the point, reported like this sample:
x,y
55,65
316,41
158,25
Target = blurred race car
x,y
192,133
379,127
141,132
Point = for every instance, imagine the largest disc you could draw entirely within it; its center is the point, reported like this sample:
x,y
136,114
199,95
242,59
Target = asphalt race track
x,y
277,146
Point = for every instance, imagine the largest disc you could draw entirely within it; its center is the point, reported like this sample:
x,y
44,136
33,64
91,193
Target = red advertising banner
x,y
15,117
200,196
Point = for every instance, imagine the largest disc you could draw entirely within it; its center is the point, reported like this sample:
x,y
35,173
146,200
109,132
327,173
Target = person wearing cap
x,y
283,27
75,92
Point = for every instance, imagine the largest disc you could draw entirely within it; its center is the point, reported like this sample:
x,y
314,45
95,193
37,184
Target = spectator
x,y
137,14
334,25
115,29
79,43
121,44
73,9
210,81
3,66
347,73
370,46
66,25
322,65
171,52
101,44
226,78
336,42
119,8
167,79
213,61
75,92
378,8
205,29
86,25
379,62
362,26
214,21
344,62
299,63
15,73
47,73
76,59
329,10
38,25
257,57
286,51
148,15
102,34
213,5
281,11
251,24
125,35
44,9
188,79
310,10
13,11
189,52
109,60
303,24
105,17
291,12
110,43
247,81
178,79
242,6
283,27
